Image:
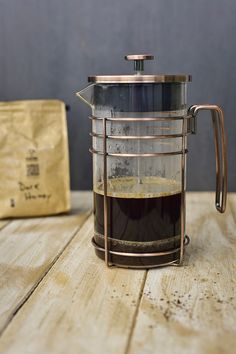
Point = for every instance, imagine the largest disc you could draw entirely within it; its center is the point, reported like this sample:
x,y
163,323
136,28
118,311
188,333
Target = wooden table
x,y
56,296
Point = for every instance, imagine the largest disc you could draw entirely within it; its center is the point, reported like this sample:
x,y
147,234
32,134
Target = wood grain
x,y
192,309
80,306
29,247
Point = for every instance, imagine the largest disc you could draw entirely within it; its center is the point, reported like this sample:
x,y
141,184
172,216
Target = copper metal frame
x,y
184,239
188,127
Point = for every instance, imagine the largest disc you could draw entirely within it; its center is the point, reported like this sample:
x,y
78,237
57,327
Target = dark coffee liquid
x,y
139,221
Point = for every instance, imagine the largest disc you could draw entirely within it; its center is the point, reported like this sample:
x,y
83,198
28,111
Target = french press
x,y
140,125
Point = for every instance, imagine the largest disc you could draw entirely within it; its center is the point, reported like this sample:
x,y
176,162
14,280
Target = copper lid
x,y
138,76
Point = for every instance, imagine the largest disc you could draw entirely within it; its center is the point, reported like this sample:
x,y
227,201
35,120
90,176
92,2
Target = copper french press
x,y
140,125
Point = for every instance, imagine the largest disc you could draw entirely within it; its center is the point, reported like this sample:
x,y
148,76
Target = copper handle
x,y
220,151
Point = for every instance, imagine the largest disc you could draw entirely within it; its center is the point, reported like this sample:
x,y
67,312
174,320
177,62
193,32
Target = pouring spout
x,y
86,95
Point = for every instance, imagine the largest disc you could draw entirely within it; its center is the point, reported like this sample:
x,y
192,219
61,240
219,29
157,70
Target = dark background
x,y
49,47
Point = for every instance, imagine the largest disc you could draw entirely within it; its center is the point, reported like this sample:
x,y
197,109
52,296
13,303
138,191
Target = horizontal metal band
x,y
93,151
145,119
133,254
176,263
138,137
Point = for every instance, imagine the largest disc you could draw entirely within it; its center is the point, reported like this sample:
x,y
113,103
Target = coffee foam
x,y
133,187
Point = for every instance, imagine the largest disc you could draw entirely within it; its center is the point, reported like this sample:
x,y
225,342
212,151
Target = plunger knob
x,y
139,61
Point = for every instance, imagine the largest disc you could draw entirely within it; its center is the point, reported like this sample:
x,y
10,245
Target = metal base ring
x,y
141,260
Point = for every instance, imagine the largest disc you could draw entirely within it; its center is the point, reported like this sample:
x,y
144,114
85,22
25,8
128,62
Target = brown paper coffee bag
x,y
34,163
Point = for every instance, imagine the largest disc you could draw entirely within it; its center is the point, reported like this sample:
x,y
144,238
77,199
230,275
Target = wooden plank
x,y
29,247
232,203
80,306
4,223
192,309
